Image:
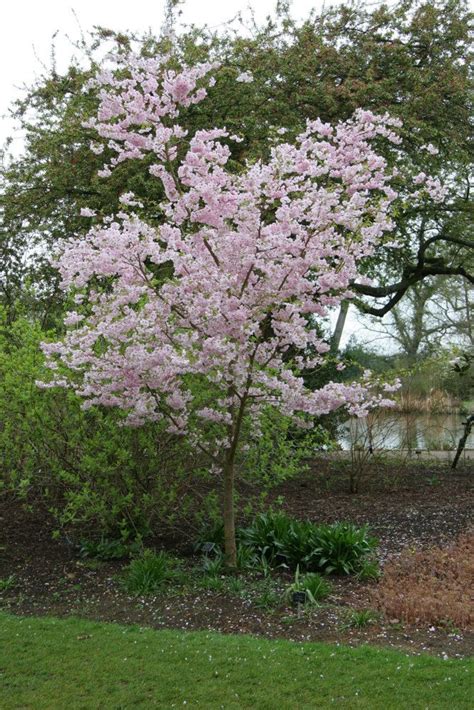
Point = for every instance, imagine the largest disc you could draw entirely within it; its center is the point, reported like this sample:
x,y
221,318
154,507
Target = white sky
x,y
27,28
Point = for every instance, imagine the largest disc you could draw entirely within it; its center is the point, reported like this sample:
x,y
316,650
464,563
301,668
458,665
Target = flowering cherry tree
x,y
225,290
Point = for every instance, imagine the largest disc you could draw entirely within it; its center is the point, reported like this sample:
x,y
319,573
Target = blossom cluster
x,y
226,290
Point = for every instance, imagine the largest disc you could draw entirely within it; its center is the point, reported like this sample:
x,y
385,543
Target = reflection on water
x,y
393,430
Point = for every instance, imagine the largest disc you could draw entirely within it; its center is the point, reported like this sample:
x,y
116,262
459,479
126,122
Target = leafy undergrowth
x,y
339,548
41,575
48,665
433,586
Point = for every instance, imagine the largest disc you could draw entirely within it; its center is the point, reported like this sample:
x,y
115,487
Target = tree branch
x,y
411,277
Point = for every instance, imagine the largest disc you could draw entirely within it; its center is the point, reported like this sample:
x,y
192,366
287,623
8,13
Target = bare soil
x,y
407,508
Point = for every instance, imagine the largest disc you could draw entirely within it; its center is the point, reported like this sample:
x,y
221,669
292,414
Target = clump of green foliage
x,y
7,583
107,549
313,585
95,476
360,619
149,573
369,570
278,540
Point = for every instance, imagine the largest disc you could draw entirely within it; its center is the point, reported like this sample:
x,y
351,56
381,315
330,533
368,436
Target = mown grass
x,y
52,663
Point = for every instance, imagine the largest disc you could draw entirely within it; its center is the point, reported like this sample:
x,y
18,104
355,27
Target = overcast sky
x,y
28,26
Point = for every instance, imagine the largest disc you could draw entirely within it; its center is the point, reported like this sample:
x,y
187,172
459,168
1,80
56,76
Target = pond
x,y
412,431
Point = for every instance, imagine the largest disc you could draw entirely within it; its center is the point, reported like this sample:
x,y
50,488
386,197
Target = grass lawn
x,y
52,663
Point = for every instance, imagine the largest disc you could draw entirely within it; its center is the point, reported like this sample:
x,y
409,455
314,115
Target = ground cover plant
x,y
339,548
272,542
435,586
361,618
149,572
314,587
48,664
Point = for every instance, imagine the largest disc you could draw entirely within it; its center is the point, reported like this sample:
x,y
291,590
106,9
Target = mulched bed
x,y
408,508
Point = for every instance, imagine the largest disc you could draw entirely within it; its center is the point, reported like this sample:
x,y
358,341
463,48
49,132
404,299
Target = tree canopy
x,y
411,60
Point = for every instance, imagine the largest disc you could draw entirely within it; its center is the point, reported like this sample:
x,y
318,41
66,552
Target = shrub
x,y
281,450
96,477
431,586
339,548
149,573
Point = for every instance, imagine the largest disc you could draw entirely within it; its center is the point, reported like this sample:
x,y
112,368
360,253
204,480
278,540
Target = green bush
x,y
340,548
96,477
281,449
149,573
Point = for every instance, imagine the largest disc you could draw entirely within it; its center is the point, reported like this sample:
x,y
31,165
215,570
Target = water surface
x,y
393,430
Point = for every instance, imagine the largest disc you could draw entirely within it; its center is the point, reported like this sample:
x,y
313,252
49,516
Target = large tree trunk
x,y
230,547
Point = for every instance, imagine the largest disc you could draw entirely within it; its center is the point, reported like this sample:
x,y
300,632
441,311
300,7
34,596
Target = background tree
x,y
453,311
435,314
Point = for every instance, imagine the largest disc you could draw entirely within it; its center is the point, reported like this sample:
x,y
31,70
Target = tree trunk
x,y
338,330
462,441
230,548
